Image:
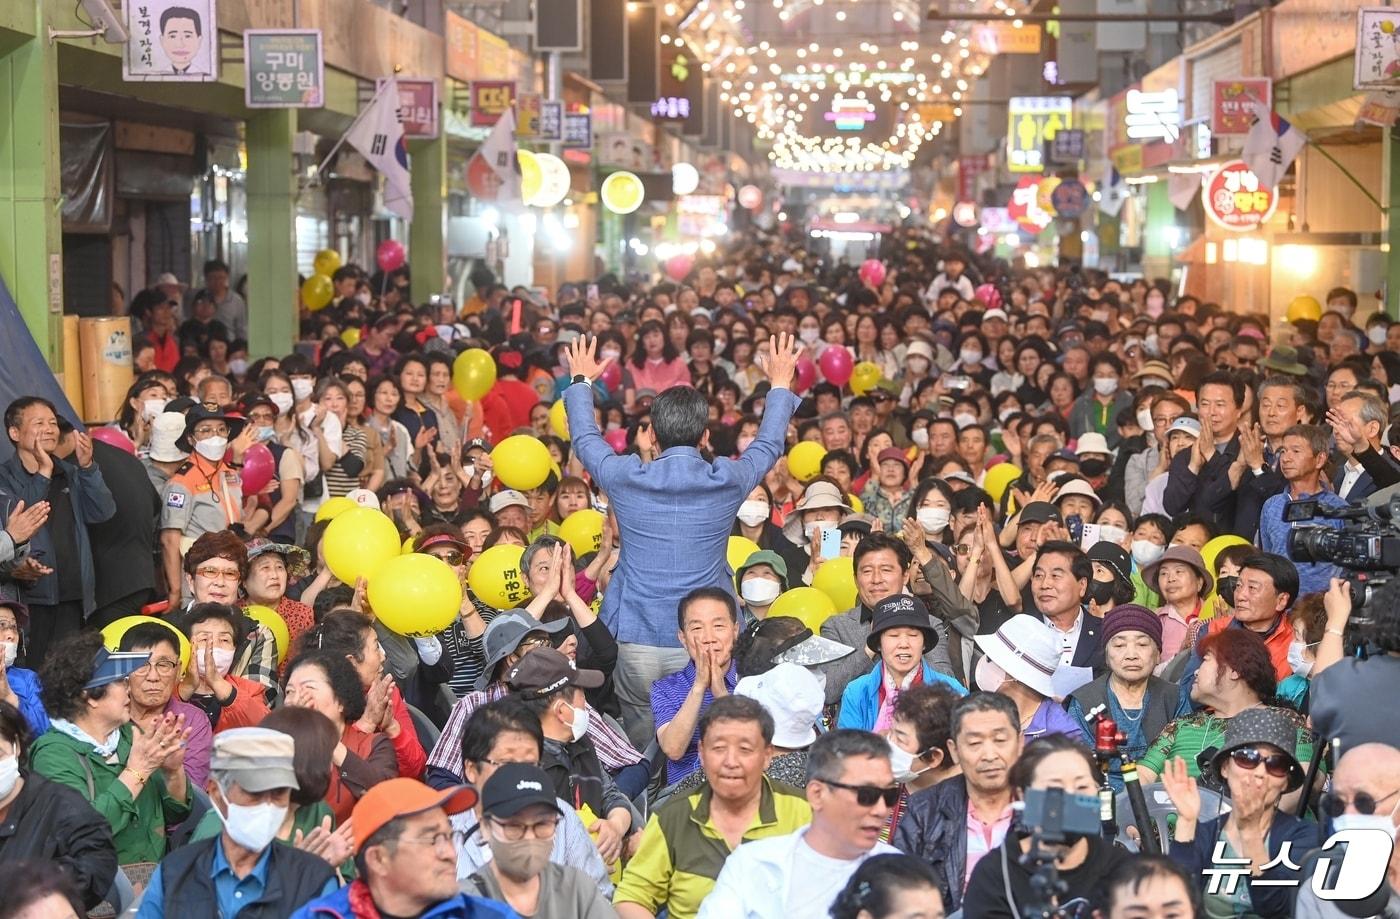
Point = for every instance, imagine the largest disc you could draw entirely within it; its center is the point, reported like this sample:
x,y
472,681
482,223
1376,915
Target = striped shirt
x,y
468,654
668,694
338,481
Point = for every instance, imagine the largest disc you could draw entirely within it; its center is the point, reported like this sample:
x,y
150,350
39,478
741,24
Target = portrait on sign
x,y
171,41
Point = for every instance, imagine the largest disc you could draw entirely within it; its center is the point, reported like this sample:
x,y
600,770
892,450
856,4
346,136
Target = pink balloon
x,y
806,374
114,437
836,365
612,376
617,439
389,255
872,272
678,266
258,467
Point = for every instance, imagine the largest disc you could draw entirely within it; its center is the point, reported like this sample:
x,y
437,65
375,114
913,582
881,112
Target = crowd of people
x,y
1011,545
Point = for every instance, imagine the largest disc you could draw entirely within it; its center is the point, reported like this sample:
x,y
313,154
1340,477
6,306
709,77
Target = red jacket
x,y
412,757
249,705
520,397
167,350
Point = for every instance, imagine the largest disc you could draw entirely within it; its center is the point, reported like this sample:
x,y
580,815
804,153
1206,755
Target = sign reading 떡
x,y
283,68
490,100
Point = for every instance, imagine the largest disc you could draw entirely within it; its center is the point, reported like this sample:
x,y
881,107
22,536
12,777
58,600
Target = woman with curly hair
x,y
886,886
133,778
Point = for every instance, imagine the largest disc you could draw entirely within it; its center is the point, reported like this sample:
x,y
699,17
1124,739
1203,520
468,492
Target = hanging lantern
x,y
622,192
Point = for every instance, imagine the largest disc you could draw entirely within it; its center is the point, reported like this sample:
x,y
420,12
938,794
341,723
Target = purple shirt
x,y
667,696
201,740
1051,718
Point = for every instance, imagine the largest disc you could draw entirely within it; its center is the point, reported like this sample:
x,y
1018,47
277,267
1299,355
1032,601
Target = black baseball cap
x,y
1041,512
545,670
516,786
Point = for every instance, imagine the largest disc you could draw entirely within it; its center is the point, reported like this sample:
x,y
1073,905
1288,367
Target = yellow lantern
x,y
622,192
530,176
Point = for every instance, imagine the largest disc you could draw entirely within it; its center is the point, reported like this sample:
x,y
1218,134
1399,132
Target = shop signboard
x,y
551,120
969,169
578,130
490,100
1031,122
1235,199
1067,147
1377,48
460,40
171,41
997,220
527,115
283,68
1379,108
1153,115
1070,198
1233,101
1010,37
1025,208
418,108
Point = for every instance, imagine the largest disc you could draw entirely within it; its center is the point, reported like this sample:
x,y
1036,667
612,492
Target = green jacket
x,y
138,824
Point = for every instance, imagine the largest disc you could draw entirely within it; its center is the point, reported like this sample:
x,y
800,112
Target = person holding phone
x,y
822,507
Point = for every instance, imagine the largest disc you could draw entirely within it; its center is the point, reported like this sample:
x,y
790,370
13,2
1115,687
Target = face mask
x,y
1144,419
1101,592
266,433
578,725
1006,414
934,520
1105,386
364,297
223,659
302,389
752,513
1225,587
1296,662
917,365
212,448
9,776
1376,334
523,860
1093,467
920,438
1383,822
969,357
810,529
609,354
238,366
1110,533
902,764
988,676
812,336
253,827
963,419
1145,552
283,401
744,443
11,652
150,408
1151,344
1099,315
760,591
1154,306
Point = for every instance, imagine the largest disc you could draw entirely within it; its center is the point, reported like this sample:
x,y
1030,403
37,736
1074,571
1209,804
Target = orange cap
x,y
404,798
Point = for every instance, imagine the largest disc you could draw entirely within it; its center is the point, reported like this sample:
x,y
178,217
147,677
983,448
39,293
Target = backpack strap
x,y
87,772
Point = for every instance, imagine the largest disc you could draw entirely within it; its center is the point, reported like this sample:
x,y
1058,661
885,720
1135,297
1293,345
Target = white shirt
x,y
1069,639
1351,473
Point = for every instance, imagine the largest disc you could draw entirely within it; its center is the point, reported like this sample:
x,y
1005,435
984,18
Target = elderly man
x,y
1302,461
1264,593
688,838
707,622
1359,420
405,860
151,693
851,789
242,870
675,514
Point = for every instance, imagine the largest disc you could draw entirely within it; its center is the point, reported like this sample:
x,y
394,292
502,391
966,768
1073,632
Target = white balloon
x,y
554,181
685,178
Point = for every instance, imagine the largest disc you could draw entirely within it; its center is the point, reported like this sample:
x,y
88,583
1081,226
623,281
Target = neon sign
x,y
850,114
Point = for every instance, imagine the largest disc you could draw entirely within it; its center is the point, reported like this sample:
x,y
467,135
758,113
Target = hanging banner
x,y
527,115
969,168
1031,121
490,100
1006,38
1233,102
578,130
283,68
418,108
551,121
1377,48
1235,199
1379,108
171,41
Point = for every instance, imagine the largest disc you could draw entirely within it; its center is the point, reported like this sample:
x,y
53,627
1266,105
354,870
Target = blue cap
x,y
110,666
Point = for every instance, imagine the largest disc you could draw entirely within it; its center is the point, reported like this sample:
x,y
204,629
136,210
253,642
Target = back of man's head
x,y
678,416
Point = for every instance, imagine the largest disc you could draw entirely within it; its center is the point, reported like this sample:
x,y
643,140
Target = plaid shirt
x,y
258,662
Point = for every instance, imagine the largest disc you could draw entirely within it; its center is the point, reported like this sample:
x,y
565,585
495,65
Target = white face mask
x,y
988,676
968,356
253,827
1105,386
1006,414
364,297
302,389
223,659
9,776
752,513
810,529
1383,822
212,448
283,401
1299,664
578,725
760,591
1151,344
934,520
917,365
1376,334
1145,552
1144,419
150,408
902,765
609,354
963,419
11,652
238,366
1110,533
812,336
920,438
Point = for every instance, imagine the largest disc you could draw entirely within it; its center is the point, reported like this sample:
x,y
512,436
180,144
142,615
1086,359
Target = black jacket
x,y
1207,492
934,828
123,546
52,822
986,890
294,878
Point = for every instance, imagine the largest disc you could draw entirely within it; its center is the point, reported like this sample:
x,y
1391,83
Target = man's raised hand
x,y
582,360
783,352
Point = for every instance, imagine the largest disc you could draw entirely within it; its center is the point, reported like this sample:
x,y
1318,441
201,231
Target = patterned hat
x,y
1262,725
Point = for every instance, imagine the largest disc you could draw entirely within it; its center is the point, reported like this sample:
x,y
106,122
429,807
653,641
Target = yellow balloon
x,y
521,462
415,595
408,545
864,377
622,192
351,336
559,420
473,374
112,634
1304,307
531,177
583,531
317,291
358,541
998,479
806,603
805,460
495,577
327,262
856,504
334,507
837,579
738,551
266,615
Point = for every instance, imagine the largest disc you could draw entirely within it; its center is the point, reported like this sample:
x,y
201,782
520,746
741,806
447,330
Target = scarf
x,y
107,748
361,902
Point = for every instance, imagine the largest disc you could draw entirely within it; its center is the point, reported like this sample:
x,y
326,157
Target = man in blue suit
x,y
674,514
1359,420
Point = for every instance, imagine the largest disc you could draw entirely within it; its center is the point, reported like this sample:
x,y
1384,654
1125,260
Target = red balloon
x,y
389,255
836,365
258,468
617,439
678,266
114,437
872,272
806,374
612,376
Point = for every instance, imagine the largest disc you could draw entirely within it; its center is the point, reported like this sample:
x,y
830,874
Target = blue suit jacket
x,y
1365,486
674,514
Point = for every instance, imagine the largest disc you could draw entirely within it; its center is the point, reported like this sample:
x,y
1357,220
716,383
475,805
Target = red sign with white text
x,y
1235,198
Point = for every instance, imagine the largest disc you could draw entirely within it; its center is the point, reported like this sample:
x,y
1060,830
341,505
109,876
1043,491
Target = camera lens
x,y
1313,544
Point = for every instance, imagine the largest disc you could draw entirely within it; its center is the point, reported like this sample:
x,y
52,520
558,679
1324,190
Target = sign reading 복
x,y
1153,116
283,68
490,100
1235,199
1377,48
1233,101
1031,121
578,130
418,107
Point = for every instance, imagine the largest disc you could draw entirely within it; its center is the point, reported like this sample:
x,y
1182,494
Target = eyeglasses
x,y
514,832
452,558
867,795
9,625
1334,805
219,431
210,573
164,668
432,841
531,644
1276,764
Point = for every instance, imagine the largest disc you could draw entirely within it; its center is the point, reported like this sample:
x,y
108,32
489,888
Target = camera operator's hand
x,y
1337,603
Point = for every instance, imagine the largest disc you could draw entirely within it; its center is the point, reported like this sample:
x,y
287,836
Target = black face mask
x,y
1101,592
1225,587
1092,468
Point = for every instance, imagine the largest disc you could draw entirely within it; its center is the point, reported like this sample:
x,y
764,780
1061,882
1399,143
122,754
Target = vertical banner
x,y
171,41
551,121
578,130
527,115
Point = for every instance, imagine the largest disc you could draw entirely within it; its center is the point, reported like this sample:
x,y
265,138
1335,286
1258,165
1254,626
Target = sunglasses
x,y
1334,805
1275,764
867,795
452,558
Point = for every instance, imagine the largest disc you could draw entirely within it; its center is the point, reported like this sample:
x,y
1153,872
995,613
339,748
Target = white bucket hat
x,y
1027,649
166,429
819,495
1092,442
794,697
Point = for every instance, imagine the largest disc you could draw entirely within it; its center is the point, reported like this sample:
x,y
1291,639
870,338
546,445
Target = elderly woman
x,y
215,568
1258,764
1179,576
822,506
48,821
134,779
1019,661
19,686
900,633
271,567
1140,703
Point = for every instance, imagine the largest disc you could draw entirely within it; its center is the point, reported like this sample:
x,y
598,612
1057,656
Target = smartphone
x,y
592,293
1090,536
831,542
956,382
1075,524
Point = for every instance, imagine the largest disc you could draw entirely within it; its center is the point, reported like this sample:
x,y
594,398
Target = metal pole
x,y
554,76
1222,18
